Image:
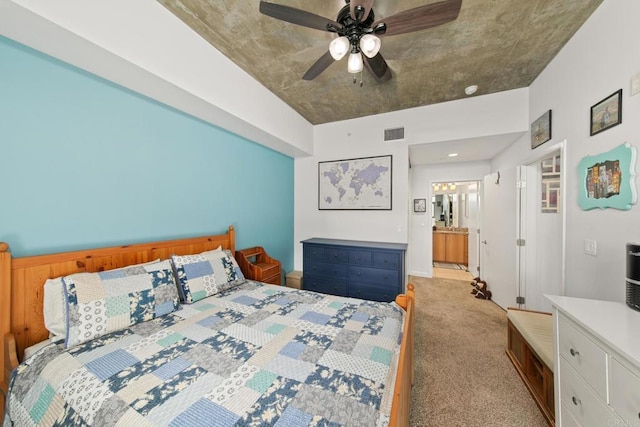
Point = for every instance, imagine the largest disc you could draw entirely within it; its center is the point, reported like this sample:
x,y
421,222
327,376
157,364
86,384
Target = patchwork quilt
x,y
256,354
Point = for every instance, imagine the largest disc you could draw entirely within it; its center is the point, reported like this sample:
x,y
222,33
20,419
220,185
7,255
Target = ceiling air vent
x,y
394,134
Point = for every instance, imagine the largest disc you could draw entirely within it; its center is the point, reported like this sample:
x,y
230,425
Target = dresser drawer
x,y
360,257
324,285
373,293
325,253
589,360
337,271
579,399
567,418
625,392
374,276
387,260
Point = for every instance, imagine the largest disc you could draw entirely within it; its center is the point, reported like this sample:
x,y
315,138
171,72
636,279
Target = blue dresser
x,y
359,269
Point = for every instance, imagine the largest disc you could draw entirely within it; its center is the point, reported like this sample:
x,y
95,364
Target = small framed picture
x,y
419,205
541,130
606,113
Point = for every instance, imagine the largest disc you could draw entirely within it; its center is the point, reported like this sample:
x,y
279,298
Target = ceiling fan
x,y
358,31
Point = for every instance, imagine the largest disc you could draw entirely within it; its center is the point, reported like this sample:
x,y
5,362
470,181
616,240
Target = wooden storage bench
x,y
530,349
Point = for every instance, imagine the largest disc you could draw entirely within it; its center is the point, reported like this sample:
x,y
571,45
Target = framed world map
x,y
363,183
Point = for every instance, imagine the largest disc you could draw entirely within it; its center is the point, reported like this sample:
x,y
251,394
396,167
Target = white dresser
x,y
597,363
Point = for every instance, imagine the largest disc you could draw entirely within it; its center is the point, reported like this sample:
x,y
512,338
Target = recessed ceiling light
x,y
470,90
453,154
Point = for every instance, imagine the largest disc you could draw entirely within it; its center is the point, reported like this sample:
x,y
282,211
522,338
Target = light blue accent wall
x,y
86,163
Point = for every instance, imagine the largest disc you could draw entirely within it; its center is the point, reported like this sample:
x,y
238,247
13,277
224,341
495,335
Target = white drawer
x,y
625,393
579,399
567,419
589,360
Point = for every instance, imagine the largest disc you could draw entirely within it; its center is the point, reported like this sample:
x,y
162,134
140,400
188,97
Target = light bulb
x,y
370,45
355,63
339,47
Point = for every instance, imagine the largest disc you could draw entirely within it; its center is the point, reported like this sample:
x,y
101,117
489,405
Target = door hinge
x,y
519,300
521,184
520,242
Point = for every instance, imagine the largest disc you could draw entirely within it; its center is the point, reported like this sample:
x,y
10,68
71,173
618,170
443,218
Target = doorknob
x,y
484,242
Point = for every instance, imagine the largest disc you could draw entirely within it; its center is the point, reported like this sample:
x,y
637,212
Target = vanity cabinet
x,y
597,362
359,269
451,246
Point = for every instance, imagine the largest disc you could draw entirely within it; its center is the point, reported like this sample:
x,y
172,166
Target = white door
x,y
529,208
472,211
542,228
498,234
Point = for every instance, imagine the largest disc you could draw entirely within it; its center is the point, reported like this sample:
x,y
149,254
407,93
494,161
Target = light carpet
x,y
462,374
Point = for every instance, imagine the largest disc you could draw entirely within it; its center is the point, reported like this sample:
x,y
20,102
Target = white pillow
x,y
54,309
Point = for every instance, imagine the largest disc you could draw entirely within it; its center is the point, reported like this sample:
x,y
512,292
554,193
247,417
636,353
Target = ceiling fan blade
x,y
297,16
378,67
366,4
421,17
320,65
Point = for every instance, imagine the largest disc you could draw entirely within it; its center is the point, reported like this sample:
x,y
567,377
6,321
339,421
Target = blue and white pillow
x,y
205,274
99,303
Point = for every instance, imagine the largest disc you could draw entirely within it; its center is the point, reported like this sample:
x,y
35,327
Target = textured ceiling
x,y
496,44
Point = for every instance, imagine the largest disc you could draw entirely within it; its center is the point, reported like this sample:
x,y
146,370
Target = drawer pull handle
x,y
385,261
359,257
335,255
576,401
359,274
386,276
574,353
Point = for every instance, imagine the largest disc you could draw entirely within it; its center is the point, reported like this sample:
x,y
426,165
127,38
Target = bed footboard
x,y
401,408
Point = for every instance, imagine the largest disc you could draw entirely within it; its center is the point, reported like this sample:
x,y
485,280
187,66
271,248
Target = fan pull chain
x,y
355,79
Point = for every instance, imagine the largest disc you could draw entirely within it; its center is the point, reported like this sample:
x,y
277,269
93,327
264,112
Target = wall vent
x,y
394,134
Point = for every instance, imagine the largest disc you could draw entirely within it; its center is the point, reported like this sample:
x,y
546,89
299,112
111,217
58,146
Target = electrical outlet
x,y
590,247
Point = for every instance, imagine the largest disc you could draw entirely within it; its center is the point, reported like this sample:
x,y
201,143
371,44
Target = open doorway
x,y
455,218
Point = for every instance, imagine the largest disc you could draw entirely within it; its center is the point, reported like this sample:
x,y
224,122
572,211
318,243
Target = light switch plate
x,y
590,247
635,84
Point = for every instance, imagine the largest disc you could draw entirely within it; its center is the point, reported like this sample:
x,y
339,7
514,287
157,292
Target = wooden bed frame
x,y
22,297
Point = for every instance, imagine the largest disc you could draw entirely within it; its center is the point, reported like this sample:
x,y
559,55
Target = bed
x,y
231,355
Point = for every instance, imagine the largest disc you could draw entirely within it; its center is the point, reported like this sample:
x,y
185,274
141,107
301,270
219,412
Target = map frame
x,y
360,196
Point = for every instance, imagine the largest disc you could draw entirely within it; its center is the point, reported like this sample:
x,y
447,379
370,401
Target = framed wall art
x,y
541,130
363,183
607,180
419,205
606,113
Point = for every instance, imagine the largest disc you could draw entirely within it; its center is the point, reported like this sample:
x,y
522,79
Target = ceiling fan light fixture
x,y
339,47
355,64
370,45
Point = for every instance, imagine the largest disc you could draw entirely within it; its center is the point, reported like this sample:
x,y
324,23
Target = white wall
x,y
600,59
347,140
421,238
496,114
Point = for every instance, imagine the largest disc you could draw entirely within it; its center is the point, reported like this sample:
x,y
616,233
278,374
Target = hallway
x,y
448,273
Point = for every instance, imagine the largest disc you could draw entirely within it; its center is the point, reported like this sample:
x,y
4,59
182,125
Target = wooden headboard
x,y
22,284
